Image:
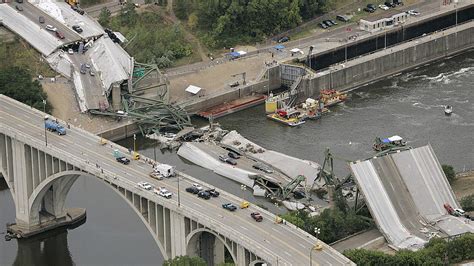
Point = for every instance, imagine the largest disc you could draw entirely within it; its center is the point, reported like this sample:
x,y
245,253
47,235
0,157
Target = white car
x,y
145,185
198,186
413,12
163,192
51,28
70,51
384,7
459,212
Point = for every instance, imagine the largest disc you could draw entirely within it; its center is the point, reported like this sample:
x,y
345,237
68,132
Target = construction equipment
x,y
388,143
243,74
72,2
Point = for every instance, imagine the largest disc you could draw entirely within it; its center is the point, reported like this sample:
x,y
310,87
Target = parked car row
x,y
371,8
201,193
327,23
84,68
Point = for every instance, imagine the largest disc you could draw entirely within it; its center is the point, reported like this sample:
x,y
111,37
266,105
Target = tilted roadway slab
x,y
405,192
33,13
42,40
280,244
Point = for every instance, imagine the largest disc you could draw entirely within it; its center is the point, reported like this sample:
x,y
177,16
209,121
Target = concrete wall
x,y
363,70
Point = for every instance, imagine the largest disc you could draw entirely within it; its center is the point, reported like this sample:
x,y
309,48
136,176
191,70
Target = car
x,y
389,4
372,6
59,35
370,10
77,28
70,51
343,18
328,23
19,8
87,65
229,206
283,39
233,155
397,2
91,72
244,204
83,69
263,168
322,25
192,190
384,7
163,192
234,84
50,28
333,22
41,19
459,212
19,1
257,216
299,194
413,13
213,192
199,187
227,160
145,185
448,208
123,160
204,195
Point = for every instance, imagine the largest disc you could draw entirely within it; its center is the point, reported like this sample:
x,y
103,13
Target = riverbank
x,y
463,185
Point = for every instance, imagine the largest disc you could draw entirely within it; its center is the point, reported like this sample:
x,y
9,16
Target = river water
x,y
409,105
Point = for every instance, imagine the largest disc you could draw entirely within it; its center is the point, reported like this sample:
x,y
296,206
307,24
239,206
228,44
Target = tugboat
x,y
388,143
289,117
331,97
448,110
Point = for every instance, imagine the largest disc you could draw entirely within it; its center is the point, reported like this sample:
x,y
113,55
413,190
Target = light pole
x,y
134,144
242,188
316,231
179,199
154,150
45,135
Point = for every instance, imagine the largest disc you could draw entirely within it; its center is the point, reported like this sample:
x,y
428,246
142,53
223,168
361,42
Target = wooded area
x,y
226,23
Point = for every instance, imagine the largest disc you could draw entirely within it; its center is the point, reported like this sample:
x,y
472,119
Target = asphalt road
x,y
33,13
282,242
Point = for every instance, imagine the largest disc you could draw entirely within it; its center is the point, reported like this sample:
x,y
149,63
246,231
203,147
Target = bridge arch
x,y
192,238
64,181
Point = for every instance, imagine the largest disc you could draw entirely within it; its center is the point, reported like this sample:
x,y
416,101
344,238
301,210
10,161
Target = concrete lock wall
x,y
376,66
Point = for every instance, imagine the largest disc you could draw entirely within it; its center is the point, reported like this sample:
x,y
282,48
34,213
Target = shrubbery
x,y
436,252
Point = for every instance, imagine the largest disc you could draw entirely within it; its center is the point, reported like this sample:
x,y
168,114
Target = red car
x,y
256,216
448,208
59,35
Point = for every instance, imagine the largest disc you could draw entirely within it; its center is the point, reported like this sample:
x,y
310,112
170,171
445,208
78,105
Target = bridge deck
x,y
276,243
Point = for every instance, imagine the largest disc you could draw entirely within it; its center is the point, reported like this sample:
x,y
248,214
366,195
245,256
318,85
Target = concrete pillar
x,y
240,256
178,245
23,186
219,252
116,98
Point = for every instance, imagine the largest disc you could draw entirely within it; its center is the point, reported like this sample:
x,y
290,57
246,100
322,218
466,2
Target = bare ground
x,y
62,97
464,184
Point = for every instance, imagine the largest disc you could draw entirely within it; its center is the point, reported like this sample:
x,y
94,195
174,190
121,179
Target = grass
x,y
20,53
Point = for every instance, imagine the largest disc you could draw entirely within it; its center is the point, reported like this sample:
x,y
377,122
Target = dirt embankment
x,y
464,184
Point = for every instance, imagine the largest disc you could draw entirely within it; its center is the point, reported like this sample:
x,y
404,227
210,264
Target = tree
x,y
467,203
104,17
449,172
17,83
185,261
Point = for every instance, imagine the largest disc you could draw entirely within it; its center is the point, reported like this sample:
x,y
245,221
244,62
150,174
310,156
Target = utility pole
x,y
45,132
179,199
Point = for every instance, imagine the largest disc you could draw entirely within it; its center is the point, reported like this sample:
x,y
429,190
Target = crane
x,y
243,76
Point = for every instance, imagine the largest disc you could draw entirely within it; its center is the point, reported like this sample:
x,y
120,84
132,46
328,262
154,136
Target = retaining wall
x,y
366,69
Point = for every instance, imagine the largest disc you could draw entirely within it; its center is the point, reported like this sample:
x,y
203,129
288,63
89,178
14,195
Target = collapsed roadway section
x,y
405,193
89,58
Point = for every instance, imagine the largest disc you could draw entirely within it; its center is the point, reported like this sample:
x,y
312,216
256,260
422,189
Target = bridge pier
x,y
39,184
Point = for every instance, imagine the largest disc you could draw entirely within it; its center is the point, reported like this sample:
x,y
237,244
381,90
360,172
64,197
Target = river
x,y
409,105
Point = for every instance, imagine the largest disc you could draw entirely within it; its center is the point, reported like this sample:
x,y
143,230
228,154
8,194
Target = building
x,y
388,19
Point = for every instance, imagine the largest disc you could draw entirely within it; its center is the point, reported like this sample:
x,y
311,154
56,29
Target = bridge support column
x,y
241,258
219,252
178,247
116,98
23,184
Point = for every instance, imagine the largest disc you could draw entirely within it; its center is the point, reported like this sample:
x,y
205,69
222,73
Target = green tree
x,y
104,17
467,203
17,83
449,172
185,261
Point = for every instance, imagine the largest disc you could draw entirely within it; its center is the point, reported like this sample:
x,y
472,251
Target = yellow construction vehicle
x,y
72,2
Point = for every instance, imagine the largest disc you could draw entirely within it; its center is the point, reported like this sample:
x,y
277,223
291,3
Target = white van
x,y
165,170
